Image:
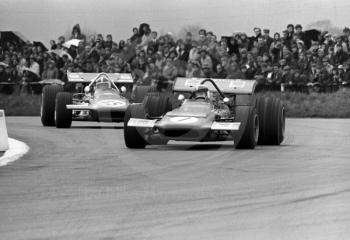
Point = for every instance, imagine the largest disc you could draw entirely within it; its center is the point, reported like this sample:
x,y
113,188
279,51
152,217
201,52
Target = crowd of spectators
x,y
295,60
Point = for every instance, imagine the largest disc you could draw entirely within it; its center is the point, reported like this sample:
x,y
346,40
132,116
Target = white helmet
x,y
103,83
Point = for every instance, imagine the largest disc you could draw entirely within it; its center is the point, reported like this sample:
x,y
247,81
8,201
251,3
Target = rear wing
x,y
229,86
88,77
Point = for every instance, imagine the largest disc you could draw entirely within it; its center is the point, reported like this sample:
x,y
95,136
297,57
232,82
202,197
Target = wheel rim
x,y
256,128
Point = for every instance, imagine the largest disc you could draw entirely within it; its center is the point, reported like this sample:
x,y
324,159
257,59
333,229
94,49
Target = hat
x,y
298,26
340,67
256,28
266,30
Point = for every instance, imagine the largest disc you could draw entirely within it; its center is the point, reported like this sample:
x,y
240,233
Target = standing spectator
x,y
109,41
267,38
51,72
76,33
135,34
302,36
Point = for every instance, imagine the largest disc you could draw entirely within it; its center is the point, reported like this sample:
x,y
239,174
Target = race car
x,y
99,99
214,110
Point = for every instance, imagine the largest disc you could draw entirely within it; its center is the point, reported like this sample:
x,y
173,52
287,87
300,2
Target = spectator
x,y
135,34
169,71
268,40
51,72
234,72
205,59
220,72
76,33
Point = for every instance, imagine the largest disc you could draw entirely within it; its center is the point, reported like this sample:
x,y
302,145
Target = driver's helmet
x,y
201,92
103,83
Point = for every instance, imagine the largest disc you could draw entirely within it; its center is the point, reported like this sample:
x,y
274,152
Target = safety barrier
x,y
4,141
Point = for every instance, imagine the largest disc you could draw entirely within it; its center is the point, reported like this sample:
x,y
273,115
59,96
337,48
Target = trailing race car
x,y
100,100
214,110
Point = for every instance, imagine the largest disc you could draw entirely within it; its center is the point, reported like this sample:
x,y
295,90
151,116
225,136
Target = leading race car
x,y
215,110
101,100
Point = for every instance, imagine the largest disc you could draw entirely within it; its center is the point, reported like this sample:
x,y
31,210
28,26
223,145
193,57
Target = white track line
x,y
17,149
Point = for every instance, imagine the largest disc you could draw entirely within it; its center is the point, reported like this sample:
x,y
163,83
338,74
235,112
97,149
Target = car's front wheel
x,y
63,116
134,137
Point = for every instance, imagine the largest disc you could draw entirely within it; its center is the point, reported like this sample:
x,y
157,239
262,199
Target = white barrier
x,y
4,141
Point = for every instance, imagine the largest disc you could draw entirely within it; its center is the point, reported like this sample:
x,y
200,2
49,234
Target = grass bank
x,y
325,105
15,105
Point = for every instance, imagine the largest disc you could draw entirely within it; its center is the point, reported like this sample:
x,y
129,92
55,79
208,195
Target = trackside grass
x,y
26,105
298,105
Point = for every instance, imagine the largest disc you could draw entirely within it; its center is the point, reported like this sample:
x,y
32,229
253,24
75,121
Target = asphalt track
x,y
82,183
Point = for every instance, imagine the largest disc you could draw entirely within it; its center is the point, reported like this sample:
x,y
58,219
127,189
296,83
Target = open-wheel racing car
x,y
99,99
214,110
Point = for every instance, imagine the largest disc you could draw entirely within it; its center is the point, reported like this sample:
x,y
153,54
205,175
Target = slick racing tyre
x,y
134,137
140,93
63,116
157,104
250,135
48,99
273,125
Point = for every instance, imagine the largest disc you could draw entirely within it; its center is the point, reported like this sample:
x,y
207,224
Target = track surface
x,y
82,183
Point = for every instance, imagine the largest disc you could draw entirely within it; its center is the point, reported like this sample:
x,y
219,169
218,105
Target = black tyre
x,y
250,135
48,99
261,109
274,125
134,137
140,93
63,116
157,104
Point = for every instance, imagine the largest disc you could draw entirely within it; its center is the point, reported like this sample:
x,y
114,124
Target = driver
x,y
201,92
103,84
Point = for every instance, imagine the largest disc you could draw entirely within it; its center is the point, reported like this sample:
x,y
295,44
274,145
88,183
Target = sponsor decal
x,y
237,84
184,119
110,103
228,126
138,122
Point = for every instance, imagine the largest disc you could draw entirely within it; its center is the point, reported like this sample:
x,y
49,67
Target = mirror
x,y
181,97
87,89
226,100
123,89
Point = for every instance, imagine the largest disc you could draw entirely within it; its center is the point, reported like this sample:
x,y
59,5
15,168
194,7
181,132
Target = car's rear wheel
x,y
134,137
63,116
157,104
250,135
139,93
48,99
274,122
